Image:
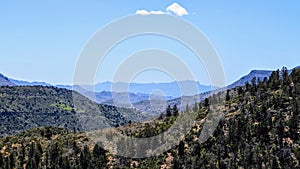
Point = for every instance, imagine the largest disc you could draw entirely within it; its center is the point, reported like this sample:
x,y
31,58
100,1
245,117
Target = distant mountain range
x,y
25,83
140,95
120,99
155,106
137,91
172,89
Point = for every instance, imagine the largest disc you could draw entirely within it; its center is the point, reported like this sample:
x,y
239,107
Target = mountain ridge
x,y
190,100
4,81
141,101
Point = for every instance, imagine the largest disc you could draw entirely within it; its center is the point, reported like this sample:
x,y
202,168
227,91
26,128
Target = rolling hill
x,y
25,107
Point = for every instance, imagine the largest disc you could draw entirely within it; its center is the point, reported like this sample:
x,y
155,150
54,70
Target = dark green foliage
x,y
181,149
206,102
35,157
1,161
175,110
227,95
60,153
169,111
99,156
263,133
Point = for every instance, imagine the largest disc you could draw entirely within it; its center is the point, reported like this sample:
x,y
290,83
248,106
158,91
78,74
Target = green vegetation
x,y
260,129
62,106
51,148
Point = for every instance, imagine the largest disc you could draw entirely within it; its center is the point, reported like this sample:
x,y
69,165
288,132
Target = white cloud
x,y
175,8
144,12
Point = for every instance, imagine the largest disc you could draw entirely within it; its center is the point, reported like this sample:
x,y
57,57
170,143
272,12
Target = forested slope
x,y
25,107
260,129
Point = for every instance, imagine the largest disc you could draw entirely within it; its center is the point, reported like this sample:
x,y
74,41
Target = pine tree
x,y
227,95
181,149
168,111
21,155
1,159
99,157
175,110
285,76
31,163
85,157
12,159
206,102
274,80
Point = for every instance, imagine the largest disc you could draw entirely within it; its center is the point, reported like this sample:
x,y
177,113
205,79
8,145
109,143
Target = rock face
x,y
4,81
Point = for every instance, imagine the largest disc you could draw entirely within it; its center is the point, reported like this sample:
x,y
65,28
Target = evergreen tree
x,y
181,149
99,157
274,79
206,102
1,159
175,110
32,163
285,76
227,95
85,158
21,155
169,111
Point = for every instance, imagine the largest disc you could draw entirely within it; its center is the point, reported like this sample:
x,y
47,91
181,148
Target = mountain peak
x,y
4,81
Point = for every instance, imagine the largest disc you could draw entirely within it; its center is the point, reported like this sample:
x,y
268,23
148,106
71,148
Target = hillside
x,y
181,102
260,129
247,78
156,107
50,147
258,74
25,107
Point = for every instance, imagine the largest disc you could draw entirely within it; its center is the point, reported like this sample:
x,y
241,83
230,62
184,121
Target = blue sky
x,y
41,41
